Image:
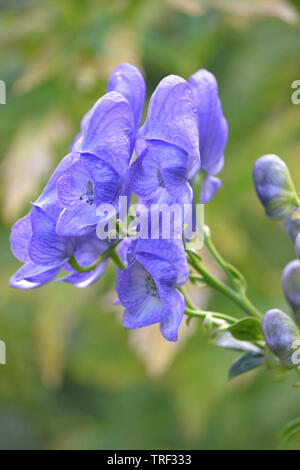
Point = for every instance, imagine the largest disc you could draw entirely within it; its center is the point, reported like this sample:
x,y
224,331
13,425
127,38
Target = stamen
x,y
151,287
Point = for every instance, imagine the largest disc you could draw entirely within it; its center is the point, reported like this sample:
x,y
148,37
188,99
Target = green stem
x,y
217,317
236,278
115,257
107,253
238,297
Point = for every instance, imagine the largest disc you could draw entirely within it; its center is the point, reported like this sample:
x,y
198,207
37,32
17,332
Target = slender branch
x,y
238,297
109,252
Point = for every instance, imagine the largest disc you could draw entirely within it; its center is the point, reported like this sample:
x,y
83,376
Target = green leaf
x,y
227,341
289,432
245,363
247,329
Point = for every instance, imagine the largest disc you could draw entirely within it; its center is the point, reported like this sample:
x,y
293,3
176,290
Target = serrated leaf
x,y
245,363
247,329
227,341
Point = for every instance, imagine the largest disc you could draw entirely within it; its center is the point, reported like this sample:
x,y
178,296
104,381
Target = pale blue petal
x,y
213,129
110,131
169,326
30,276
19,238
77,221
129,82
45,246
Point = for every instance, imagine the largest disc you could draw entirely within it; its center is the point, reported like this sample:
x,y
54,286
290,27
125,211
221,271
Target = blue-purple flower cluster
x,y
184,133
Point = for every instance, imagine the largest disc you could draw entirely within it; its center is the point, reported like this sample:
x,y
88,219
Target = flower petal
x,y
71,185
30,276
163,275
110,131
19,238
103,176
77,221
144,177
45,246
171,251
48,200
172,117
129,82
209,188
82,280
169,326
213,129
88,248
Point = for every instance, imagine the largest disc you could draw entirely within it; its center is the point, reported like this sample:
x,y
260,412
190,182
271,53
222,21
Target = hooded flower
x,y
213,130
99,175
167,145
147,287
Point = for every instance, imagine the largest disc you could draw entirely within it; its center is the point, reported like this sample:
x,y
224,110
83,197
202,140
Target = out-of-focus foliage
x,y
74,378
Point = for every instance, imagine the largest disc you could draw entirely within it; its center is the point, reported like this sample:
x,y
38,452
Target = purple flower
x,y
213,130
280,333
129,82
167,145
274,186
147,287
99,175
34,242
290,283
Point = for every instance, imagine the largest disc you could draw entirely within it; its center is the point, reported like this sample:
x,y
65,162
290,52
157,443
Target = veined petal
x,y
103,176
163,274
30,276
209,188
71,185
172,118
88,248
169,326
19,238
148,312
48,200
144,177
129,82
213,129
171,251
172,164
77,221
82,280
110,131
45,246
131,285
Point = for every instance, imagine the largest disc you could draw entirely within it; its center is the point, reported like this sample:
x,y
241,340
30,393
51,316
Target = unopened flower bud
x,y
297,246
281,334
290,283
274,186
292,223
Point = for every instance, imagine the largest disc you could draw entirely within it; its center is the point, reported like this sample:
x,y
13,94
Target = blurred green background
x,y
74,377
